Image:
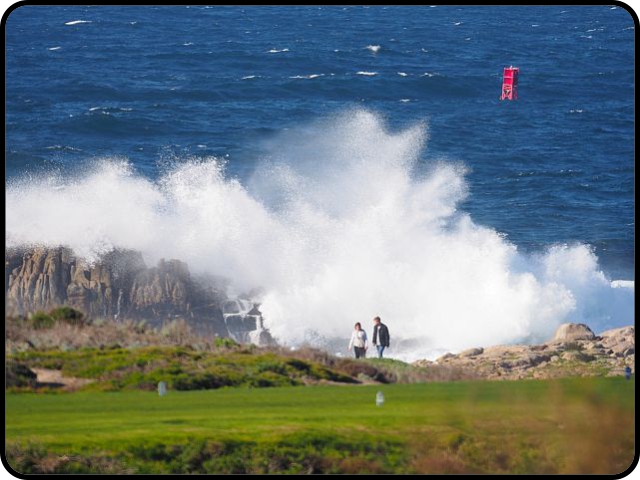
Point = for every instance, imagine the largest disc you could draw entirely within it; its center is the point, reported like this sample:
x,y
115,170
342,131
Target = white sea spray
x,y
339,223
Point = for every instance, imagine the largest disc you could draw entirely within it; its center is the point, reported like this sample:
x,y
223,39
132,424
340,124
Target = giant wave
x,y
338,223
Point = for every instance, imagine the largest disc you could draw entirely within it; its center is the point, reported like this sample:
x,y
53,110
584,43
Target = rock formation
x,y
119,286
574,351
573,331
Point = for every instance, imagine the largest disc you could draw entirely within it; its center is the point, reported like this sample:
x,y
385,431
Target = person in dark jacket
x,y
380,336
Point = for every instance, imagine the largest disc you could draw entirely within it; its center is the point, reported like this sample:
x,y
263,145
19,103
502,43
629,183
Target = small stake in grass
x,y
162,389
379,399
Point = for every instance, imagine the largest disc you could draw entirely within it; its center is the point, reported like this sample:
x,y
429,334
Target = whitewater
x,y
339,222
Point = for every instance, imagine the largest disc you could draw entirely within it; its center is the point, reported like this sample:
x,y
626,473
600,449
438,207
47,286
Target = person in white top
x,y
359,341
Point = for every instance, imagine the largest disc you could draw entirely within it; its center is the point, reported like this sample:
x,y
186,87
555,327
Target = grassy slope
x,y
583,425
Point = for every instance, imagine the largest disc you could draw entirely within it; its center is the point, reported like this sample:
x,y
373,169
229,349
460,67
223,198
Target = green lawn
x,y
583,425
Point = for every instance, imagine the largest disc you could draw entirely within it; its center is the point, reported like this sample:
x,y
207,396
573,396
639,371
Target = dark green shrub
x,y
271,379
299,365
274,367
205,380
18,375
68,315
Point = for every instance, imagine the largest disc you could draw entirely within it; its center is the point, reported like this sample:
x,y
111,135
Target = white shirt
x,y
358,339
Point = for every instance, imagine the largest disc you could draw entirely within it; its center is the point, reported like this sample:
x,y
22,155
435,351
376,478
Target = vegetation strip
x,y
533,426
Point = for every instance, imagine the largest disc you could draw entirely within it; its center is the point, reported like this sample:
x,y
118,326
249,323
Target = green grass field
x,y
580,425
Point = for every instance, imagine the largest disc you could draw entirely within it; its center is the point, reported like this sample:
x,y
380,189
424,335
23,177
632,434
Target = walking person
x,y
358,341
380,336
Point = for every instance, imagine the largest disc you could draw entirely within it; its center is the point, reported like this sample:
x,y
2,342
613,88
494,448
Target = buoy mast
x,y
510,83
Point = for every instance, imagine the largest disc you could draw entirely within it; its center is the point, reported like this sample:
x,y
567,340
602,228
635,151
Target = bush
x,y
225,342
177,331
40,320
211,379
18,375
359,369
35,459
68,315
299,365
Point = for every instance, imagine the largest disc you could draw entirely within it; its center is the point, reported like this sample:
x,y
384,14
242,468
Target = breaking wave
x,y
338,223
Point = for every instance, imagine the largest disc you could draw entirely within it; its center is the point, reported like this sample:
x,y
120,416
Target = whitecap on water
x,y
78,22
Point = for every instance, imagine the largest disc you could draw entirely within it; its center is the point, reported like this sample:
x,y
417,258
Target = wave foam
x,y
77,22
337,226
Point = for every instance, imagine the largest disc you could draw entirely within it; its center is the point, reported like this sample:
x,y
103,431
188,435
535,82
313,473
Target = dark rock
x,y
472,352
445,357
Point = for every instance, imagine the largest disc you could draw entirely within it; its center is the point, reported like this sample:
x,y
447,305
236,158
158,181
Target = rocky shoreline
x,y
119,287
573,351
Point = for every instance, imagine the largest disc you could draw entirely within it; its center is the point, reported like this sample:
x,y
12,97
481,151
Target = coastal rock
x,y
573,331
445,357
616,333
501,351
118,286
574,350
37,279
44,278
472,352
165,287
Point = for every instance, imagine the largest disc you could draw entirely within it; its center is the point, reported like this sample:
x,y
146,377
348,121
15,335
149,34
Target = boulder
x,y
568,332
472,352
619,342
574,351
445,357
624,332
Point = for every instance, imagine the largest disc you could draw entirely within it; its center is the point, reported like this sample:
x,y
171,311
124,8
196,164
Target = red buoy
x,y
510,83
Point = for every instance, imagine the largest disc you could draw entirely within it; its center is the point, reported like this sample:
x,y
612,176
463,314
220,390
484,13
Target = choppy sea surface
x,y
351,161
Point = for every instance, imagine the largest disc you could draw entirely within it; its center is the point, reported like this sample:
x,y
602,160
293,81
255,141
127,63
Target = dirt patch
x,y
55,379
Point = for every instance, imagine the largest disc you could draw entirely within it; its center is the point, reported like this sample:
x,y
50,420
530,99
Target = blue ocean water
x,y
158,86
555,166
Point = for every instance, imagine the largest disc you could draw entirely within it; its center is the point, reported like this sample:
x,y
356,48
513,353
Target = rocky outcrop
x,y
119,286
43,278
161,289
574,351
573,331
619,341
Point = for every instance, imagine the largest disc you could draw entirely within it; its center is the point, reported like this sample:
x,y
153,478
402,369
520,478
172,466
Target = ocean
x,y
347,161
